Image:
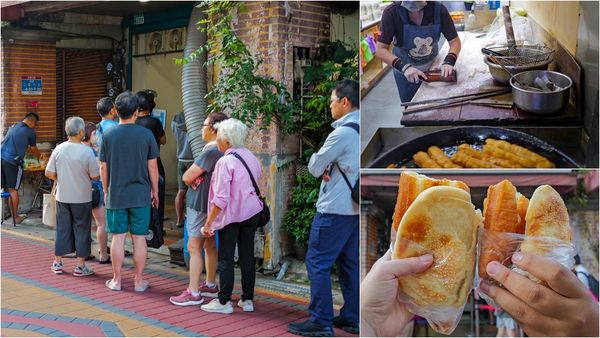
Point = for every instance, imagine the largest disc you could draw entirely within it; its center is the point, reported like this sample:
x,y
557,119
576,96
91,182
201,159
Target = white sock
x,y
210,285
195,294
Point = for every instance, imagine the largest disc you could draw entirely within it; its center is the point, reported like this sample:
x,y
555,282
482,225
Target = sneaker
x,y
57,268
346,325
82,271
217,307
309,328
186,299
246,305
207,291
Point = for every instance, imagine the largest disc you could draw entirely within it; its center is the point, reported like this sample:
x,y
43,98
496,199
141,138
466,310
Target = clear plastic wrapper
x,y
440,293
500,246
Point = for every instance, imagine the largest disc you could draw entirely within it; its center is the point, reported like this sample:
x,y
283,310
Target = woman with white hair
x,y
72,165
234,210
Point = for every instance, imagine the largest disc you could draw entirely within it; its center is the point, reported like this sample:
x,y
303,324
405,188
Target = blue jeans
x,y
333,238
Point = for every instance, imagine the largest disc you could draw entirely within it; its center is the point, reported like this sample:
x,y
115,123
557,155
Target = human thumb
x,y
406,266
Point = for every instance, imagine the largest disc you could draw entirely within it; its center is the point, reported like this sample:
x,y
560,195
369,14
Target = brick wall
x,y
29,58
272,30
372,218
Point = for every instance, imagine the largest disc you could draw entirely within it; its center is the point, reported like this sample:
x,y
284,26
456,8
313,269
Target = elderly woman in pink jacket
x,y
234,211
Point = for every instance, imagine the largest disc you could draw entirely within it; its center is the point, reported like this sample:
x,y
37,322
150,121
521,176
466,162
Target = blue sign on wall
x,y
31,85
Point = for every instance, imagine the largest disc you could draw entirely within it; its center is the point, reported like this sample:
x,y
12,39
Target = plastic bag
x,y
522,28
443,309
501,245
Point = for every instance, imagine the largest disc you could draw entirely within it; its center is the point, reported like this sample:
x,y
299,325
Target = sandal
x,y
106,261
109,284
143,288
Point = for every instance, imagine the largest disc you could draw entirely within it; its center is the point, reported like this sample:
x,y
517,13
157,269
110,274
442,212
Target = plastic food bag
x,y
432,294
522,28
502,245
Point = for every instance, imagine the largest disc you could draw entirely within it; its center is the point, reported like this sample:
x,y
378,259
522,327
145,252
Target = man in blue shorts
x,y
129,174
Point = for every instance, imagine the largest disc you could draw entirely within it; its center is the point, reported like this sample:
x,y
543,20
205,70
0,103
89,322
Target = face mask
x,y
414,6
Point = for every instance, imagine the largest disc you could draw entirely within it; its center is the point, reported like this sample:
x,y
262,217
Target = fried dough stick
x,y
471,162
424,161
502,162
438,155
494,151
540,161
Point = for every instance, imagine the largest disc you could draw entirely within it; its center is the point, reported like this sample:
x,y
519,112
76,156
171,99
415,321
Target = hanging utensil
x,y
510,35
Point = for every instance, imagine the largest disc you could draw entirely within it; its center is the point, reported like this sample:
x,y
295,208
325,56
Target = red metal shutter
x,y
30,58
85,80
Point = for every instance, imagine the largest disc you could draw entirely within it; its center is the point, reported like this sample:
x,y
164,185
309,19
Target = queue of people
x,y
110,172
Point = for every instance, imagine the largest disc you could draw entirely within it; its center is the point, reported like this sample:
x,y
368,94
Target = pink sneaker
x,y
186,299
208,292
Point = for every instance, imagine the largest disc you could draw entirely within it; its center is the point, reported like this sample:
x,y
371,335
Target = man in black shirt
x,y
415,28
145,106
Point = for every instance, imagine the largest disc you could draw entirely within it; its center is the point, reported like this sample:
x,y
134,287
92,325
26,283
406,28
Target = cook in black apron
x,y
418,48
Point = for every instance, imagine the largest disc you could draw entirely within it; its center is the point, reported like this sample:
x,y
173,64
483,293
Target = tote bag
x,y
49,208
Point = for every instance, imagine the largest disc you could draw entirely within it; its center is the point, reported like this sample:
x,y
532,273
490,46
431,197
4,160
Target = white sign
x,y
160,114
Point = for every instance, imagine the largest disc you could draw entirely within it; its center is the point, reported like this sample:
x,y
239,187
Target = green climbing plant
x,y
250,97
339,62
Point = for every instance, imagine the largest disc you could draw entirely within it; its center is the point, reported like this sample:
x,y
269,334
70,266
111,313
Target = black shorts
x,y
11,175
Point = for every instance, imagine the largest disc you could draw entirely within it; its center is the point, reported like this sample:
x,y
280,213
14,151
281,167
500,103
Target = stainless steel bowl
x,y
502,76
538,102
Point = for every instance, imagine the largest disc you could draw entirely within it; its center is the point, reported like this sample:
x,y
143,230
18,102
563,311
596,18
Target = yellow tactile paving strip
x,y
14,298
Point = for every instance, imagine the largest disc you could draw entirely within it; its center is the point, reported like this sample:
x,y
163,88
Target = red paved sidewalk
x,y
26,267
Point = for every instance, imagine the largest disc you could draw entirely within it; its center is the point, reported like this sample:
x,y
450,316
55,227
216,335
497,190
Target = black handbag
x,y
95,196
155,237
265,213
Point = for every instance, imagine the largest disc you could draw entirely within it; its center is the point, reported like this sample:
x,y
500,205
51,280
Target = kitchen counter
x,y
473,76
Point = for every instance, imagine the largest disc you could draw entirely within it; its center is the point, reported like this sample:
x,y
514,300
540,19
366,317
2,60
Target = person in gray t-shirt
x,y
198,178
129,172
71,166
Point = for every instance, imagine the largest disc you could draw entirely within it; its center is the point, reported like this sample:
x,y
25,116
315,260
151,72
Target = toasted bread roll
x,y
438,155
539,160
546,216
424,161
468,161
410,186
500,215
441,221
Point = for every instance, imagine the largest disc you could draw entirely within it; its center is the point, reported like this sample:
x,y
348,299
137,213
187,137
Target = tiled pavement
x,y
35,302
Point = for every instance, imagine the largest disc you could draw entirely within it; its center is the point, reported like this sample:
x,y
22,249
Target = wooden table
x,y
472,75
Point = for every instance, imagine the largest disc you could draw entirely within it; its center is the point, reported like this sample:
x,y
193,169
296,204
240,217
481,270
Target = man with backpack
x,y
334,232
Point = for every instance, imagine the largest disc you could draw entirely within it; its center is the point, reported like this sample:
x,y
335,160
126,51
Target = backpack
x,y
354,189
